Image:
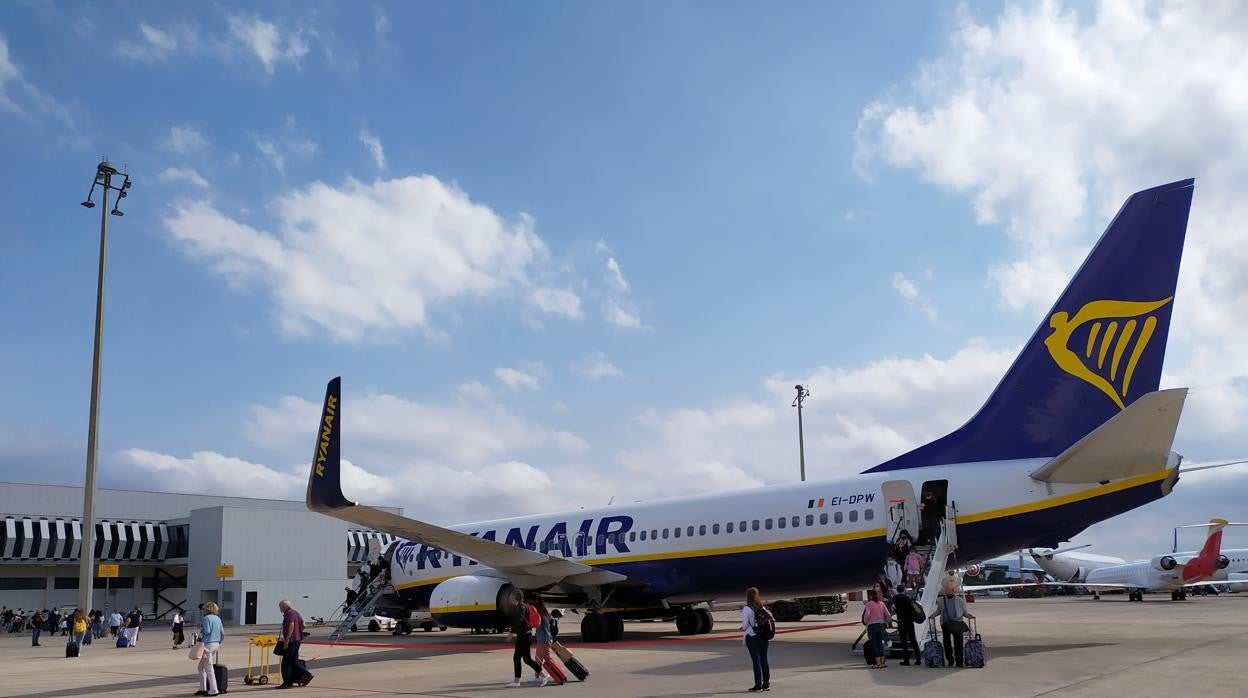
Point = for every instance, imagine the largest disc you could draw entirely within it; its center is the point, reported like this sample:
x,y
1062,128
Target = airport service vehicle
x,y
1076,432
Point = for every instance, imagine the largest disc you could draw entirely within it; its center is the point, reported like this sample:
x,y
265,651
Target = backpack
x,y
532,618
764,624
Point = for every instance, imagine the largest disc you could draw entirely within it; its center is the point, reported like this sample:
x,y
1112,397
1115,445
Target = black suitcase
x,y
222,673
71,649
578,670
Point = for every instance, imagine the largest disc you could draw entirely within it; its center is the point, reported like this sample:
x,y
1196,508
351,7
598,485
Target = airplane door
x,y
903,511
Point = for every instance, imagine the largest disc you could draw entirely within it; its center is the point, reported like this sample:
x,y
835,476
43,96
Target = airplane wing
x,y
525,568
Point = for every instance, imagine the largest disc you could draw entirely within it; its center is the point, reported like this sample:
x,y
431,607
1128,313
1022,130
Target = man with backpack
x,y
527,618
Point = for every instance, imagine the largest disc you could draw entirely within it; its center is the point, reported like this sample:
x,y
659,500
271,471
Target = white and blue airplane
x,y
1076,432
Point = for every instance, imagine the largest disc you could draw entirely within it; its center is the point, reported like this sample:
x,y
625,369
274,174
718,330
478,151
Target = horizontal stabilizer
x,y
1135,441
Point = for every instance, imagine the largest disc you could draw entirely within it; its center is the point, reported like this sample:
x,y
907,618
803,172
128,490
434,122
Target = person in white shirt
x,y
178,636
114,623
756,645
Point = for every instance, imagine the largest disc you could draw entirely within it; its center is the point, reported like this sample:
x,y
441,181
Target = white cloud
x,y
516,379
158,44
373,143
270,43
614,277
1046,117
20,96
269,150
556,301
600,368
615,314
365,259
182,174
186,140
207,471
909,290
381,22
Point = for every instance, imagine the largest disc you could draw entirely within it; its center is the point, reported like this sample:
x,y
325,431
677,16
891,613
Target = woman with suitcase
x,y
214,635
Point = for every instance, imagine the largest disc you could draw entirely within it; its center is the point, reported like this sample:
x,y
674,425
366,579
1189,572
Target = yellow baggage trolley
x,y
261,670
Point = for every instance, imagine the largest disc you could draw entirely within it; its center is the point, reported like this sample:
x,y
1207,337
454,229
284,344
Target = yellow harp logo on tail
x,y
1113,324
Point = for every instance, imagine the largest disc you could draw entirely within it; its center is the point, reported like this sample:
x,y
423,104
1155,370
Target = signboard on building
x,y
107,570
225,571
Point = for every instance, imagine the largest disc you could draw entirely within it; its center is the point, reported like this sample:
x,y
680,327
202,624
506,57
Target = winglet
x,y
325,481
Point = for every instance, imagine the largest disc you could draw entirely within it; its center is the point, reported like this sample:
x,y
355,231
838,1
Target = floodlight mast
x,y
104,173
802,394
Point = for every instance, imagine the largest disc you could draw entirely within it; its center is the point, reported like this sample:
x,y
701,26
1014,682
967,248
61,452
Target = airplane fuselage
x,y
788,540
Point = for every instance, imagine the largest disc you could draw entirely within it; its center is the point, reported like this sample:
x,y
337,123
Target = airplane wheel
x,y
686,622
705,621
594,627
615,628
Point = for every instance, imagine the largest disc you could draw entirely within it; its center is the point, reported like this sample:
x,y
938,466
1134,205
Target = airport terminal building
x,y
168,547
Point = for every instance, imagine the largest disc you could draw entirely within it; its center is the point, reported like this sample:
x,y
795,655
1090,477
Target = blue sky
x,y
651,221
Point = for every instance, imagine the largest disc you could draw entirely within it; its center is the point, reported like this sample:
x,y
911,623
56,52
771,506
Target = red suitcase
x,y
555,672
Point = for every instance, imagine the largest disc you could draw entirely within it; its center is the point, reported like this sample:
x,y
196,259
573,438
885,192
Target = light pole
x,y
104,173
802,394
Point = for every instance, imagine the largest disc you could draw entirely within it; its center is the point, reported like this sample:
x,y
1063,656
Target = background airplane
x,y
1076,432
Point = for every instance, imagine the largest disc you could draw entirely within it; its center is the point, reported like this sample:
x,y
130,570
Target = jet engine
x,y
1223,562
1165,563
974,570
472,602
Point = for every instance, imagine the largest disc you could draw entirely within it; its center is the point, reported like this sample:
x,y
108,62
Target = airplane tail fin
x,y
325,480
1098,349
1209,559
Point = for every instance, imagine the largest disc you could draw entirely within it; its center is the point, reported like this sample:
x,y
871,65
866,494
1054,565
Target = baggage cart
x,y
261,669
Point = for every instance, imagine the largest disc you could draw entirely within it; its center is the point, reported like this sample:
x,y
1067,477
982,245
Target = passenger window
x,y
665,534
715,529
689,532
838,517
755,525
780,521
868,514
728,528
853,515
702,530
797,521
742,529
654,534
676,532
601,541
643,535
767,524
810,519
632,537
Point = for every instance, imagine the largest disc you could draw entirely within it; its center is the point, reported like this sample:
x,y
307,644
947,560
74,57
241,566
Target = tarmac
x,y
1067,646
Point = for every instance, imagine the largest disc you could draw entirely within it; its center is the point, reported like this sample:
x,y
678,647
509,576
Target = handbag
x,y
957,626
280,648
195,653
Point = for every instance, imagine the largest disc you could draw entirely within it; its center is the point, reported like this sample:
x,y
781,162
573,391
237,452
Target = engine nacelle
x,y
472,602
1223,562
974,570
1165,563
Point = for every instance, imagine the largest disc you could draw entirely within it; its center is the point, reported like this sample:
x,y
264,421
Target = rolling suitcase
x,y
974,652
222,673
555,672
123,640
933,651
868,652
572,663
71,649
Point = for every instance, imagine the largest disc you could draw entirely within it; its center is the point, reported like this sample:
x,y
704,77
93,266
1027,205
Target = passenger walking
x,y
78,626
133,622
522,633
952,611
892,570
542,639
114,623
914,569
752,614
36,629
903,607
214,635
904,544
178,635
97,623
875,616
294,671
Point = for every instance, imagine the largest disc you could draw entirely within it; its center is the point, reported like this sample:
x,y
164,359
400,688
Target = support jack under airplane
x,y
1076,432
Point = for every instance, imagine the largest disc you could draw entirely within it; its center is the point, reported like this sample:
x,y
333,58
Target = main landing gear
x,y
1178,595
694,621
1135,595
597,626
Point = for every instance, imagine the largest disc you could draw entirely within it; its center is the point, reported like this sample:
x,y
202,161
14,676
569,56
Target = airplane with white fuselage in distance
x,y
1173,572
1077,431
